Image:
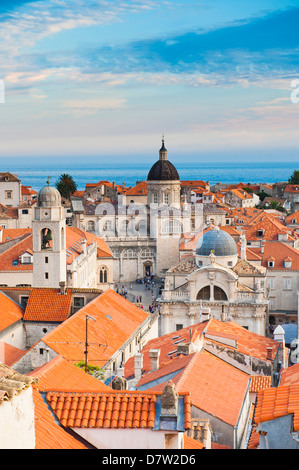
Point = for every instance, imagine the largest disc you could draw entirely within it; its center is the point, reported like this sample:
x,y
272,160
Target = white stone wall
x,y
128,438
282,294
15,187
17,422
15,278
15,336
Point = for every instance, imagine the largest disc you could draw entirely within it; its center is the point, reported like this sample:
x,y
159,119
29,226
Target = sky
x,y
106,79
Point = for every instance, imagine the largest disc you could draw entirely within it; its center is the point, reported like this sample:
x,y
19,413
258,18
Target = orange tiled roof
x,y
48,305
291,217
10,311
290,375
177,364
292,188
190,443
139,190
254,439
277,402
8,212
241,194
13,253
78,194
48,434
166,344
259,382
59,374
10,354
249,343
215,387
27,190
271,227
104,410
116,320
196,183
278,252
9,234
75,235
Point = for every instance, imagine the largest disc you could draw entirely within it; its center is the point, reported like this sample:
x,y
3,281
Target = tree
x,y
294,179
66,185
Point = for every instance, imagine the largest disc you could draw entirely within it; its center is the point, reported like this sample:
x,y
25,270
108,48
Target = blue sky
x,y
105,79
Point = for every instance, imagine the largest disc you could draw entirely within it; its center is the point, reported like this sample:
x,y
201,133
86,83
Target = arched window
x,y
103,275
90,226
204,293
172,226
107,226
219,294
46,239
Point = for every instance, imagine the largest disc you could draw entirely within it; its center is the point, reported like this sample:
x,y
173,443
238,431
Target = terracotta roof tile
x,y
190,443
59,374
260,382
48,434
9,354
277,402
215,386
271,228
116,320
106,410
139,190
46,304
10,311
290,375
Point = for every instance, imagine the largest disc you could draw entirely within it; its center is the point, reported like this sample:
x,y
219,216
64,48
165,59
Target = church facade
x,y
217,283
144,238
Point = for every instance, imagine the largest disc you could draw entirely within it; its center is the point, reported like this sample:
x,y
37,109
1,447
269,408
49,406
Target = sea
x,y
36,174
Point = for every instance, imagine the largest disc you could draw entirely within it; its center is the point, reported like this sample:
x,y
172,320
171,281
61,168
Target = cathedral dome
x,y
218,242
48,196
163,170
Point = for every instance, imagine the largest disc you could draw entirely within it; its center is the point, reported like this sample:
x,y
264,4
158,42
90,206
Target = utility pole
x,y
86,339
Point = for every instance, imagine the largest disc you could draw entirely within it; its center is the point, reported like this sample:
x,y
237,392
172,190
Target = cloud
x,y
85,107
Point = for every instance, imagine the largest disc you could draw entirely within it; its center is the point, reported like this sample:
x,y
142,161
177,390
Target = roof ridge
x,y
14,301
23,238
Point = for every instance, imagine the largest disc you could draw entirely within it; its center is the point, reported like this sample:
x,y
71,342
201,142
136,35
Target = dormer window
x,y
26,258
260,232
287,262
271,263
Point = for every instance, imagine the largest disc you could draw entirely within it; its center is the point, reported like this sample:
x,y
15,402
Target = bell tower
x,y
49,239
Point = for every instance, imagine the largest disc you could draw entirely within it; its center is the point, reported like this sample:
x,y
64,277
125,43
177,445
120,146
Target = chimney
x,y
279,337
269,354
184,348
154,356
205,314
83,245
169,400
62,288
138,365
119,383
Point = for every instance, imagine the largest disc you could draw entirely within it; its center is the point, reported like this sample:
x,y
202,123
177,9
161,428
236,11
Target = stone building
x,y
215,282
144,236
